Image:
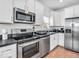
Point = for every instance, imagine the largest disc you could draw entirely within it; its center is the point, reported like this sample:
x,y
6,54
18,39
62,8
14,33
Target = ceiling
x,y
55,4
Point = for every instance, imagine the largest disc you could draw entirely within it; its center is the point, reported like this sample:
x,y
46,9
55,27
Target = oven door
x,y
29,50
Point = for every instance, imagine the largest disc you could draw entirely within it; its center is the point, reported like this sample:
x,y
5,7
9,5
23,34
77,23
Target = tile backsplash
x,y
56,27
8,27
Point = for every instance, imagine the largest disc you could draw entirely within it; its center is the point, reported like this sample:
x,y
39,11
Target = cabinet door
x,y
62,21
61,39
53,42
56,39
76,10
69,12
30,6
51,18
6,11
57,19
8,51
39,9
19,4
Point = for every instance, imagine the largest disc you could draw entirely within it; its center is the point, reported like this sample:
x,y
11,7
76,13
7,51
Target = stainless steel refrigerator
x,y
72,34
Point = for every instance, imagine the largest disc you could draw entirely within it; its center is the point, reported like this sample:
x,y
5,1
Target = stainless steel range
x,y
28,47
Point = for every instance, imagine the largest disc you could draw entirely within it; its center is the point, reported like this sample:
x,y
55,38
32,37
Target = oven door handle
x,y
28,43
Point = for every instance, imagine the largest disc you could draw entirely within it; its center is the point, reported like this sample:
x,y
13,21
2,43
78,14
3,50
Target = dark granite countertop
x,y
12,41
34,37
7,42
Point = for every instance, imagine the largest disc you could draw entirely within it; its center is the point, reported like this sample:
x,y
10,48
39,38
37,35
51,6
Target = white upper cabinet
x,y
47,11
39,10
30,6
51,18
72,11
57,19
46,15
76,11
62,21
6,11
69,12
19,4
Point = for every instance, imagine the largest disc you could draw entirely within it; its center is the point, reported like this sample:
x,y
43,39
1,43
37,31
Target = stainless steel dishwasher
x,y
44,45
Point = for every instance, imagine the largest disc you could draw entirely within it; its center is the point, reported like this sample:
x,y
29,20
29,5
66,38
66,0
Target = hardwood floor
x,y
60,52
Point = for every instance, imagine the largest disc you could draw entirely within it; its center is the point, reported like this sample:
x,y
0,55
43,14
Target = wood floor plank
x,y
60,52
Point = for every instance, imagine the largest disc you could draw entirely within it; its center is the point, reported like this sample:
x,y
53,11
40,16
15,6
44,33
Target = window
x,y
46,19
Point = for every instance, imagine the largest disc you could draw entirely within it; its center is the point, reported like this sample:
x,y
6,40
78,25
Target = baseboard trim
x,y
56,47
60,46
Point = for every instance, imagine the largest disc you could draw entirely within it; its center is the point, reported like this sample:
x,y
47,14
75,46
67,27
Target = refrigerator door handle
x,y
72,30
72,34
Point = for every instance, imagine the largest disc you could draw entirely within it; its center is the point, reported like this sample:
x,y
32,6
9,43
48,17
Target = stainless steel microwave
x,y
20,16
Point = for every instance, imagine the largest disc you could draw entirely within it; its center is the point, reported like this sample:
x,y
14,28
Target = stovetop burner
x,y
22,36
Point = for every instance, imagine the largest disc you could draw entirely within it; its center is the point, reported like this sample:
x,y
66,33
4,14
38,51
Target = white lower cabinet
x,y
53,41
56,39
61,39
8,51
